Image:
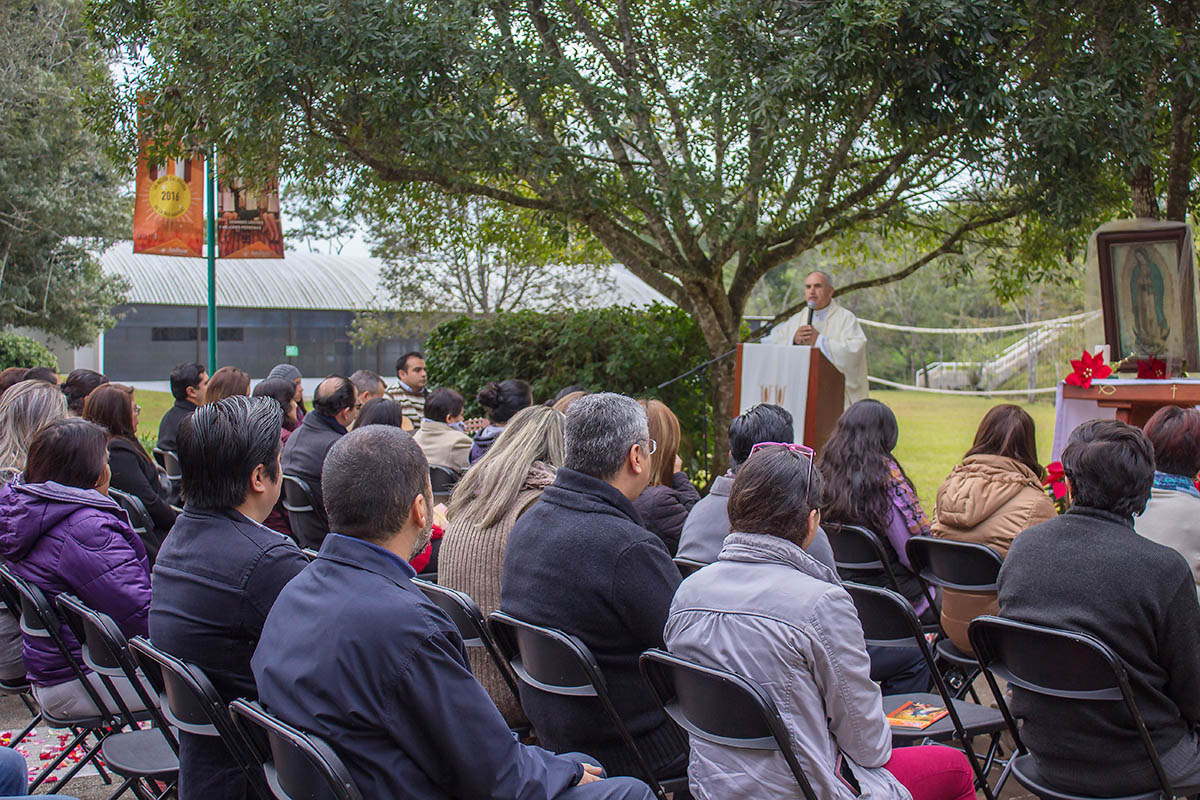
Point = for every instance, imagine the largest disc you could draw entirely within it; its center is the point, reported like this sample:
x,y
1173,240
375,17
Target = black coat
x,y
168,428
303,456
664,509
136,474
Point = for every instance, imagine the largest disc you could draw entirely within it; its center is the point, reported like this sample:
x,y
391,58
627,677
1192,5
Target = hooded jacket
x,y
985,500
64,539
769,611
665,509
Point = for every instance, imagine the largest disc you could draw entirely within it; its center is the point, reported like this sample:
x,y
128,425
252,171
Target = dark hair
x,y
281,390
566,390
111,405
227,382
78,385
184,377
1007,430
763,423
772,494
373,509
402,361
1175,434
70,451
1110,466
504,399
367,382
221,443
380,411
11,377
857,460
333,401
42,374
443,403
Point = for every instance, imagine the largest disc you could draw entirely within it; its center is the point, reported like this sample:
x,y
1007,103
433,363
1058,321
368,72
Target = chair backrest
x,y
687,566
191,703
965,566
1057,663
169,462
297,497
857,548
442,479
720,707
300,766
139,518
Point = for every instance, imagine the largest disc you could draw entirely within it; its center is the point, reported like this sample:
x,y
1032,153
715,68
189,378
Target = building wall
x,y
150,340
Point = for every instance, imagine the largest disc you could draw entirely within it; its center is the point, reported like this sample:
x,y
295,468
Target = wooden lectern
x,y
1136,402
799,378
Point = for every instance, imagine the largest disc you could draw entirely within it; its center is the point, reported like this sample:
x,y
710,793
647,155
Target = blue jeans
x,y
13,781
608,789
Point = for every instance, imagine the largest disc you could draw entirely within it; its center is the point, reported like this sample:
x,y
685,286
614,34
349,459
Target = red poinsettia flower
x,y
1088,368
1056,479
1152,369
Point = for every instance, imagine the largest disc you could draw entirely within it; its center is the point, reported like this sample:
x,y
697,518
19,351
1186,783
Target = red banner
x,y
168,211
248,220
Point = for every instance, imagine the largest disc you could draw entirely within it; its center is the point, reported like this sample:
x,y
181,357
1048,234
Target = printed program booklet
x,y
917,716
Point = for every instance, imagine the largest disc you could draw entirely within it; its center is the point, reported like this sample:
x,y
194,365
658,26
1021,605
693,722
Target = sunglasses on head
x,y
797,450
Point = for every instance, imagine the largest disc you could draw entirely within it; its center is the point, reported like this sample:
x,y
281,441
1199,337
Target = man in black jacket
x,y
579,560
335,405
220,570
356,654
1089,571
188,384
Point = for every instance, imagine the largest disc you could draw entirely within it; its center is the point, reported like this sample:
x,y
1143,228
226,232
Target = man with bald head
x,y
829,326
335,405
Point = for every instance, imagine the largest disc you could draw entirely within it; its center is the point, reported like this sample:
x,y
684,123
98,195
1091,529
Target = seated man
x,y
443,444
189,382
1088,571
335,405
707,523
579,560
356,654
220,570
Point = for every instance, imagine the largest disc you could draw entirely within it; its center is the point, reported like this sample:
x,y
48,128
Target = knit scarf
x,y
906,503
1178,483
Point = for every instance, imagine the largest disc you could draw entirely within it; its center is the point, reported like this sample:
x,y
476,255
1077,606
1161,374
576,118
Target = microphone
x,y
812,305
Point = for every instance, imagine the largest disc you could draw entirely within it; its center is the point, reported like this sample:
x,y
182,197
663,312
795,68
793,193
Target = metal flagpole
x,y
211,181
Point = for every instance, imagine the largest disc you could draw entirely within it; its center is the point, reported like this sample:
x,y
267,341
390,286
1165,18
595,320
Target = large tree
x,y
60,197
702,143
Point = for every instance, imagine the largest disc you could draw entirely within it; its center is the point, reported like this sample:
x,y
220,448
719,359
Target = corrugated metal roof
x,y
308,281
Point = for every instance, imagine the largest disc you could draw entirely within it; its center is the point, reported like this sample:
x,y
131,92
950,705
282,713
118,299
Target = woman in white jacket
x,y
772,613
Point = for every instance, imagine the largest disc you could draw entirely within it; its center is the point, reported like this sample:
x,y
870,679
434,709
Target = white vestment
x,y
841,339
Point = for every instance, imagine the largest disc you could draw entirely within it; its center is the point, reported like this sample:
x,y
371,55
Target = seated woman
x,y
502,401
1172,515
78,385
994,494
60,531
766,607
444,444
133,471
226,382
283,392
483,509
665,503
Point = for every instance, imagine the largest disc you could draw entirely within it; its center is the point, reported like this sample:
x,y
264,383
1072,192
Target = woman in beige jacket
x,y
994,494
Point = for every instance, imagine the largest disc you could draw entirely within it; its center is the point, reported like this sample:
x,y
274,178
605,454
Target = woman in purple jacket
x,y
60,531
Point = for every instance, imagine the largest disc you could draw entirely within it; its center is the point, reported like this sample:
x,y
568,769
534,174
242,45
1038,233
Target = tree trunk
x,y
1141,187
1179,170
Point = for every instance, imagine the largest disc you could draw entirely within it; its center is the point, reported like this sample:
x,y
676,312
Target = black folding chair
x,y
889,621
169,461
1069,666
959,566
137,755
139,517
857,550
687,566
297,501
720,707
442,479
551,661
18,687
39,620
190,702
467,617
298,765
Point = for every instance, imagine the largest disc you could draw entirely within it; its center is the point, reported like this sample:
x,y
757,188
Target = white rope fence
x,y
908,388
1086,316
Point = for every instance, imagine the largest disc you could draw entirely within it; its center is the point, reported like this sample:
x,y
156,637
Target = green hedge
x,y
21,351
627,350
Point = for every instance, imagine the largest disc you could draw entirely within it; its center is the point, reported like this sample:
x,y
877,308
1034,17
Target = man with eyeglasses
x,y
335,406
580,561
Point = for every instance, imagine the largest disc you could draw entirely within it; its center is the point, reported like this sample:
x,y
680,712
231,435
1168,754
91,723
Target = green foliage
x,y
625,350
21,351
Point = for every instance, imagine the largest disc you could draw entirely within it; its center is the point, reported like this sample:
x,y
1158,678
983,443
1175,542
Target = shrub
x,y
21,351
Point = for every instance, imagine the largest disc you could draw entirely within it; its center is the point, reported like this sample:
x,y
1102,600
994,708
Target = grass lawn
x,y
154,405
936,429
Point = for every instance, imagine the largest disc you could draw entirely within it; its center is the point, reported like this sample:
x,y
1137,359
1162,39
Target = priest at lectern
x,y
830,327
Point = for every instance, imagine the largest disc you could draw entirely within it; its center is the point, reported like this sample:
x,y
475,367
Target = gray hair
x,y
600,430
828,278
24,408
486,494
370,479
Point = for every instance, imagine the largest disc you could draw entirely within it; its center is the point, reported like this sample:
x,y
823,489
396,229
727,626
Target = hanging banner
x,y
248,220
168,211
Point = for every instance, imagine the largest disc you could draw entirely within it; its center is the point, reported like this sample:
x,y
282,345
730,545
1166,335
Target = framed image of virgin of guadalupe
x,y
1148,296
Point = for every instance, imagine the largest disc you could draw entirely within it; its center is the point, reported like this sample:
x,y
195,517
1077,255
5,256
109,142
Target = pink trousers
x,y
933,772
